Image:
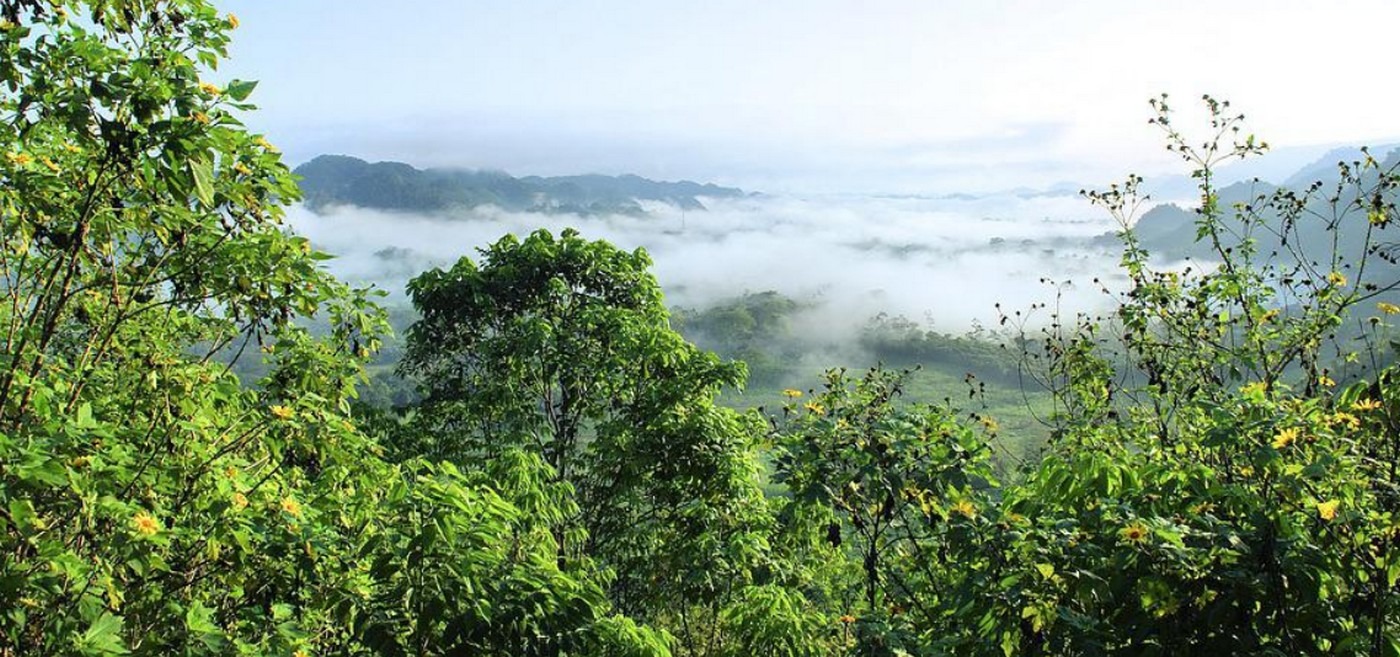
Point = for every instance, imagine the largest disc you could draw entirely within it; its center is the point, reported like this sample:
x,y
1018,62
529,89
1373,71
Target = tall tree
x,y
563,346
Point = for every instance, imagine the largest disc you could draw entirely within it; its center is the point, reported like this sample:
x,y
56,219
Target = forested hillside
x,y
1218,476
341,180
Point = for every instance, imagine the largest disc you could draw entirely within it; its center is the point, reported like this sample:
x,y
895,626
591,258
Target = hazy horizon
x,y
790,97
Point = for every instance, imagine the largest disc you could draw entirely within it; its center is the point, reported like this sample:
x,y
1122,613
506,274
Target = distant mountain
x,y
342,180
1169,230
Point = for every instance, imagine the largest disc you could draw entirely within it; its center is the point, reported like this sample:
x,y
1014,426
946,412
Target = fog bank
x,y
947,261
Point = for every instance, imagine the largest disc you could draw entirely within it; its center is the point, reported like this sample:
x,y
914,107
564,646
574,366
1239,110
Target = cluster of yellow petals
x,y
815,408
291,507
200,118
1328,510
232,21
1285,437
1388,308
965,509
1337,279
20,159
1365,405
1134,533
240,501
145,524
792,393
1346,419
210,88
282,412
1326,381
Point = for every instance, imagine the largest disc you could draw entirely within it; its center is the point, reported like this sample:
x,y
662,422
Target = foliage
x,y
1207,490
895,479
149,502
562,347
753,328
900,340
566,483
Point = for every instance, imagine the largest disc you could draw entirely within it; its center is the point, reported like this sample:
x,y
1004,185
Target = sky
x,y
808,96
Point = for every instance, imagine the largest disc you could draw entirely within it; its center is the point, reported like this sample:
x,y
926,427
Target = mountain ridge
x,y
331,180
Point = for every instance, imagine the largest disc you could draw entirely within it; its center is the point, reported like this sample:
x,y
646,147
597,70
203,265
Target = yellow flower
x,y
1337,279
847,619
145,524
814,407
72,149
1328,510
200,117
50,164
1377,217
1285,437
210,88
990,424
231,472
282,412
240,501
1134,533
1268,316
20,159
1326,381
233,25
1351,421
291,507
1253,389
965,508
1387,308
1365,405
239,168
1246,471
792,393
262,141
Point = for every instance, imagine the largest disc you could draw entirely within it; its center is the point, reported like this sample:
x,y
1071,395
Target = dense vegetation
x,y
564,482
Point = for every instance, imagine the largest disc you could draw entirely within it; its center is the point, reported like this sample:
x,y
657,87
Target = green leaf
x,y
240,89
203,172
103,637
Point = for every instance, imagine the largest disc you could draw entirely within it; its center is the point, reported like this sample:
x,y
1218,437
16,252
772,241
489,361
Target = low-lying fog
x,y
945,261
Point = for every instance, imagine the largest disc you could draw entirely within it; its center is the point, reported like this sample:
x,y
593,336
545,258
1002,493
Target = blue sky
x,y
809,95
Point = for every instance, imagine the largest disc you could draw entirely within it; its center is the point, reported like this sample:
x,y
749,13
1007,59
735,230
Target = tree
x,y
894,480
562,347
1208,491
150,502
